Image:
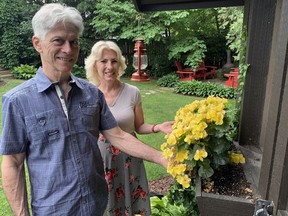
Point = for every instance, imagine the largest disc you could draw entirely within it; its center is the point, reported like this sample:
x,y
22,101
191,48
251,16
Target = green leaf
x,y
205,171
219,160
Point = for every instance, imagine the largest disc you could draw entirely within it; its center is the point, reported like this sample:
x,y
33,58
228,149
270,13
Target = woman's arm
x,y
14,183
142,128
132,146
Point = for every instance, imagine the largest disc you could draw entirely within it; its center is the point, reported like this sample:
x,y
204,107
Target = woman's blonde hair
x,y
96,54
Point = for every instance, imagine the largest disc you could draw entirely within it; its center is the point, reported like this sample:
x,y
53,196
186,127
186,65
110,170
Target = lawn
x,y
159,105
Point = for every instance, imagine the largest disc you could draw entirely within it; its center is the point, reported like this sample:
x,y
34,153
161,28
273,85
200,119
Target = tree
x,y
16,31
186,34
232,19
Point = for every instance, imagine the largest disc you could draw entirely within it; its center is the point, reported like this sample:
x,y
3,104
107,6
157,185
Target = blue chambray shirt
x,y
64,162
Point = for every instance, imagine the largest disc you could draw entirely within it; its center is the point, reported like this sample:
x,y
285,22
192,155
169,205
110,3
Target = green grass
x,y
159,105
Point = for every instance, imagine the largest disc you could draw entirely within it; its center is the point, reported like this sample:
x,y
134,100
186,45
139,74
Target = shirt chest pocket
x,y
45,127
90,117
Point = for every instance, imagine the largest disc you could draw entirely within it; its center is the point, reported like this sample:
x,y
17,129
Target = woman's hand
x,y
165,127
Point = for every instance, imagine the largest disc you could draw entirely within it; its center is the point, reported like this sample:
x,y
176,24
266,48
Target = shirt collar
x,y
44,83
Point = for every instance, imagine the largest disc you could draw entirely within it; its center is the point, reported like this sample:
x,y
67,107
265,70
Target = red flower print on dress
x,y
143,194
110,174
115,151
131,178
126,212
139,192
128,163
117,212
119,192
110,187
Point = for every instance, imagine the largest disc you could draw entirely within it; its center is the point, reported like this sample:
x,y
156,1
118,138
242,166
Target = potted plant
x,y
200,144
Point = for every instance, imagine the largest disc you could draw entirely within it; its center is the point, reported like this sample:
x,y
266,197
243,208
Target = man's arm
x,y
132,146
14,183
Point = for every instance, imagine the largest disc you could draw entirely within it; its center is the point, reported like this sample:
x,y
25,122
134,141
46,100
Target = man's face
x,y
59,51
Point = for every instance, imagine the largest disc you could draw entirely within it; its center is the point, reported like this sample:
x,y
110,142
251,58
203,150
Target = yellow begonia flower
x,y
211,114
179,169
189,139
237,158
171,140
181,156
184,180
200,154
197,118
170,168
178,132
168,153
219,118
176,169
163,146
219,107
200,135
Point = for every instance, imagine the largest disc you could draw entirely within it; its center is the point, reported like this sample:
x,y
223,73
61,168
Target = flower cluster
x,y
201,140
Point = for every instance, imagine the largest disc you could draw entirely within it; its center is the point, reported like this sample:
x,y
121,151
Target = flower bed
x,y
210,204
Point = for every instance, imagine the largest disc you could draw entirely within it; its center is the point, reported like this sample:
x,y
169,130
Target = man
x,y
53,121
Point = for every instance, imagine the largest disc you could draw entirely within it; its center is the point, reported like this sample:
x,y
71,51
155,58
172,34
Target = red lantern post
x,y
140,61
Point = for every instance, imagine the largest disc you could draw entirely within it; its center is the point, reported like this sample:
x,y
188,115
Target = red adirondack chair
x,y
232,78
211,71
201,72
187,74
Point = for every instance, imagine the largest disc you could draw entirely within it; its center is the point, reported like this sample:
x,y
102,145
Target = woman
x,y
125,175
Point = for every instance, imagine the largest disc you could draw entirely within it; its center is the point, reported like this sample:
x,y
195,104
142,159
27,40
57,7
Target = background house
x,y
264,117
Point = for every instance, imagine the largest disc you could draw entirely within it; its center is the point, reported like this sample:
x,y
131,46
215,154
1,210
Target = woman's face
x,y
108,66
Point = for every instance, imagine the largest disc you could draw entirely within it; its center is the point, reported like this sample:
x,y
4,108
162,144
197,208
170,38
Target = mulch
x,y
231,181
161,186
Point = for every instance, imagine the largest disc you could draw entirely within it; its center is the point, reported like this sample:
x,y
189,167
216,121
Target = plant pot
x,y
210,204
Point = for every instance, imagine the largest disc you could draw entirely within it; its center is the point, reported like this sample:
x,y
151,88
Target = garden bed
x,y
226,193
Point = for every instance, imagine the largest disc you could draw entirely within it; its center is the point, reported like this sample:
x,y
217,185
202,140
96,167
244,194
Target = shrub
x,y
162,207
169,80
205,89
179,196
78,71
24,72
